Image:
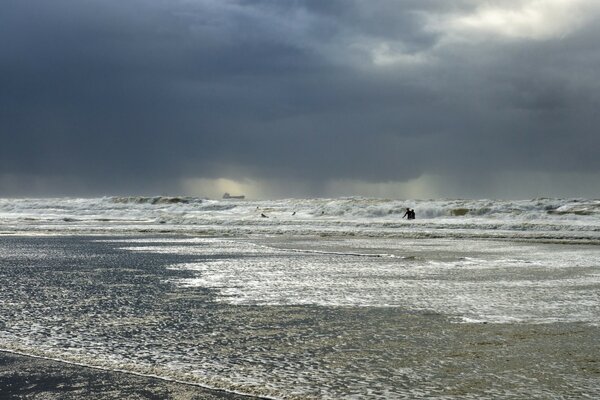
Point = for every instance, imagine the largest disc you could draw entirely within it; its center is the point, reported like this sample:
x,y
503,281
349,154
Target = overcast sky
x,y
278,98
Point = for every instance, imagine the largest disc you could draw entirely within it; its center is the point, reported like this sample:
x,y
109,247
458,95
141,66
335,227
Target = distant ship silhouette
x,y
228,196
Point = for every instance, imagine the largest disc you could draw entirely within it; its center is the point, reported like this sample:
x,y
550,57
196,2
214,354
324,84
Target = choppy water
x,y
566,220
311,305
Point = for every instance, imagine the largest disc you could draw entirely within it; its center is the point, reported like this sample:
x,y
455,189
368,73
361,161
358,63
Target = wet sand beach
x,y
297,318
474,361
24,377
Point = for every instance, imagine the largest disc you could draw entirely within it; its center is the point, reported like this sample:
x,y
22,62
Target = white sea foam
x,y
539,219
500,282
337,310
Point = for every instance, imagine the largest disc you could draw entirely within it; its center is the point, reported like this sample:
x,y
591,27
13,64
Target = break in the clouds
x,y
300,98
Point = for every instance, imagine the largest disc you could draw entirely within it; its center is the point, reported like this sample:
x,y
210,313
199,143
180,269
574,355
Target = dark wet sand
x,y
23,377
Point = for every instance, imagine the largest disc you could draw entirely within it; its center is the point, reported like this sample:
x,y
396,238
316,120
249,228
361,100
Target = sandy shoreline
x,y
23,377
116,303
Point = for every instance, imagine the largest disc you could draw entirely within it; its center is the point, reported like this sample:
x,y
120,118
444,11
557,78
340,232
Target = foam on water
x,y
325,298
503,283
538,219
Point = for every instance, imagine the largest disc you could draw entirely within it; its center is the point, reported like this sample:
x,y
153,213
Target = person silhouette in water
x,y
410,214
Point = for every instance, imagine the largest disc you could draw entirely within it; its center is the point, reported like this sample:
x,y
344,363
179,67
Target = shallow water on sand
x,y
313,317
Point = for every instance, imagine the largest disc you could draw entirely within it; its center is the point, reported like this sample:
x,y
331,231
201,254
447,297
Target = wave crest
x,y
154,200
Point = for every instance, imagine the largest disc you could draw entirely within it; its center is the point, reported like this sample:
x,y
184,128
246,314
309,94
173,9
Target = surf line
x,y
336,253
383,255
141,374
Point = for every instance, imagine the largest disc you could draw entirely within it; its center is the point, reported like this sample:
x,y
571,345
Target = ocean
x,y
311,298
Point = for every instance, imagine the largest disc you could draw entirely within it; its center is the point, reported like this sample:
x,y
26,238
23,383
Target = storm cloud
x,y
300,98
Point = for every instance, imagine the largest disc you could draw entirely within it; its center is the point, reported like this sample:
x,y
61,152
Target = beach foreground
x,y
341,299
534,361
24,377
314,322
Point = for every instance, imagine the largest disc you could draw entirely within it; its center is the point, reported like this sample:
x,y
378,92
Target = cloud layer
x,y
302,98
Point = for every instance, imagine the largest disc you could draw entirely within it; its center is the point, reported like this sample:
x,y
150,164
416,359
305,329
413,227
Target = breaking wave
x,y
537,219
154,200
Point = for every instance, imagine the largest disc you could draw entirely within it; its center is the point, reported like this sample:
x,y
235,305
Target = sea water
x,y
322,298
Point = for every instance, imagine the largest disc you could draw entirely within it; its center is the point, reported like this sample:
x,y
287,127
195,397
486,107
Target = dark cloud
x,y
132,96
